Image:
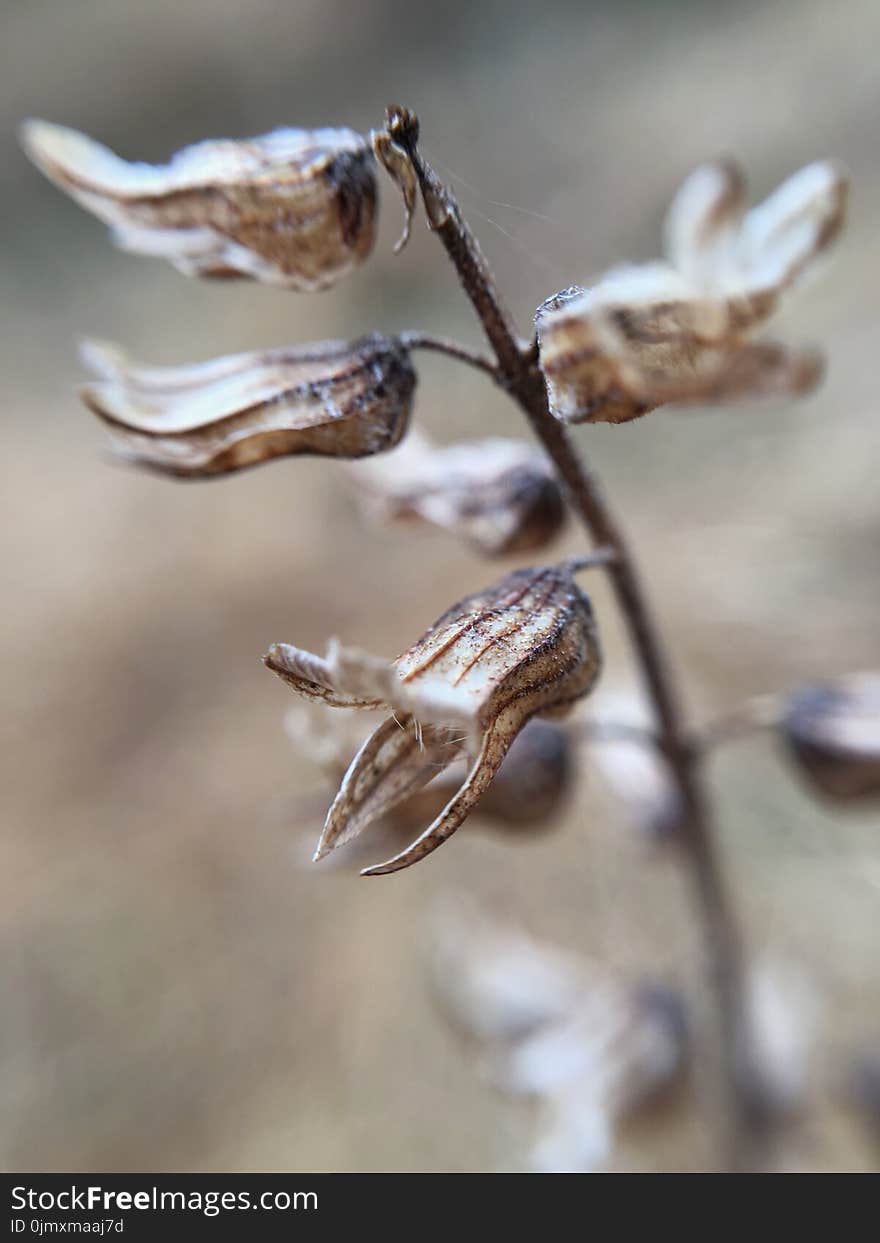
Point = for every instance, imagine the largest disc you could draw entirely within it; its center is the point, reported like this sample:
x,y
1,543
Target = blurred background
x,y
182,990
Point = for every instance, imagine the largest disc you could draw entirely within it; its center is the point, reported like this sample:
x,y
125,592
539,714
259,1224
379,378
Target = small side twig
x,y
453,349
753,715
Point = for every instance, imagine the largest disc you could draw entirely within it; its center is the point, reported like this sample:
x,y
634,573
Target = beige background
x,y
182,990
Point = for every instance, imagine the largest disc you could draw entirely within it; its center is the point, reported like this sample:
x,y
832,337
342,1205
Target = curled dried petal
x,y
534,779
396,761
345,678
500,496
399,167
334,399
293,207
833,734
496,742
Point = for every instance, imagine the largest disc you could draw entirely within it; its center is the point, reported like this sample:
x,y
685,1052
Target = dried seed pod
x,y
525,647
677,331
293,207
500,496
833,734
343,399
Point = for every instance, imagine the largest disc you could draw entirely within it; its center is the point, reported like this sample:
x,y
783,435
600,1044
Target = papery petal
x,y
398,759
495,746
781,237
319,678
293,207
741,371
703,219
336,399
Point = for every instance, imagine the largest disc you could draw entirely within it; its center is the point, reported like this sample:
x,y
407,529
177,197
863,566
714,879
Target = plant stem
x,y
442,345
519,374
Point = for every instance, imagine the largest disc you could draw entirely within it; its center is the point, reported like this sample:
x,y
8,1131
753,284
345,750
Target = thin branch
x,y
599,556
442,345
748,718
517,363
615,731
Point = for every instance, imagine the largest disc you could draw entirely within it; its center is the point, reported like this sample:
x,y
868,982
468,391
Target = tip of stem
x,y
402,124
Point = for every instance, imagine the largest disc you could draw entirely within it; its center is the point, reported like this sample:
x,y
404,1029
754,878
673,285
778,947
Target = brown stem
x,y
519,373
442,345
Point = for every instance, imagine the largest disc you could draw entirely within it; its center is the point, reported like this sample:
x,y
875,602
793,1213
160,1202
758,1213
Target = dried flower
x,y
677,331
294,207
591,1048
342,399
833,734
524,647
784,1012
500,496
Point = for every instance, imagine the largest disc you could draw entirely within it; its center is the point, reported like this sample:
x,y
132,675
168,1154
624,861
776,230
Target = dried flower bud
x,y
470,684
676,331
833,733
500,496
334,399
294,207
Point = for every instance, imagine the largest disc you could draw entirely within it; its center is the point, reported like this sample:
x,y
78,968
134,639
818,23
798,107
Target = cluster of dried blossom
x,y
297,208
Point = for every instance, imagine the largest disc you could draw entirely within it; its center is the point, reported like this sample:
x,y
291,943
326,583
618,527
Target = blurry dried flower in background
x,y
493,661
591,1049
294,207
784,1010
501,496
677,331
833,734
341,399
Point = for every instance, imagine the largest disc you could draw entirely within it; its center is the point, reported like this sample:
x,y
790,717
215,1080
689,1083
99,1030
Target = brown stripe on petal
x,y
529,641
